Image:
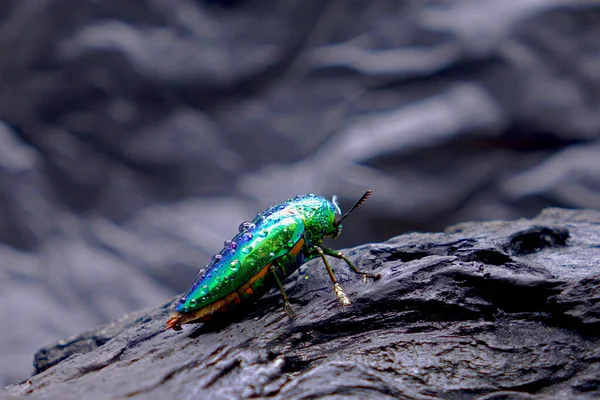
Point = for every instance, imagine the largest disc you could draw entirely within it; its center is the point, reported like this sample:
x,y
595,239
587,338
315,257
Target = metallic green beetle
x,y
265,252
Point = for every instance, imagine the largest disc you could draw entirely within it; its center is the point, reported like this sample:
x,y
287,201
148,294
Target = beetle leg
x,y
337,254
286,304
336,286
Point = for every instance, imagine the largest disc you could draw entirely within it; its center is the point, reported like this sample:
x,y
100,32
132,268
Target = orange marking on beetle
x,y
174,322
204,313
248,285
216,305
297,247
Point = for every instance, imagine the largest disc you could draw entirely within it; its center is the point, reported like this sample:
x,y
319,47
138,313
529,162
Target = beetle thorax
x,y
318,215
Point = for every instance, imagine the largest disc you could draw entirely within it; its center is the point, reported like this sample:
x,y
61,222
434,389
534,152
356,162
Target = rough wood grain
x,y
488,310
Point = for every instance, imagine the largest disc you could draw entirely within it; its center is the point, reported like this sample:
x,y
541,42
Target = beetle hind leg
x,y
286,304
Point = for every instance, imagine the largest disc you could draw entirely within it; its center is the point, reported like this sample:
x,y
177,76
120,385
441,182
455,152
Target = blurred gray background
x,y
136,135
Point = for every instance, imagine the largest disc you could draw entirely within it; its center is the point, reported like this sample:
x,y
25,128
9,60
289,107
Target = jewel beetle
x,y
265,252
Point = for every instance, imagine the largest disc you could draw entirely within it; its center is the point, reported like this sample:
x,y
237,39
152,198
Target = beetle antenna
x,y
358,203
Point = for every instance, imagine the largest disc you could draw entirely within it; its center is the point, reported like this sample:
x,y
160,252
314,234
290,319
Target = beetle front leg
x,y
337,254
286,304
336,286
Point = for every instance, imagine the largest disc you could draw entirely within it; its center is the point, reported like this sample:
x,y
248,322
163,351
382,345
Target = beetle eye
x,y
337,219
338,210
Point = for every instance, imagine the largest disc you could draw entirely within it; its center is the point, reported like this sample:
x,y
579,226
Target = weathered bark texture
x,y
486,310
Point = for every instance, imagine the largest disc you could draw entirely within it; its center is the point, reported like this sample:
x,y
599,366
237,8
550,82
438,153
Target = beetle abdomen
x,y
255,288
243,258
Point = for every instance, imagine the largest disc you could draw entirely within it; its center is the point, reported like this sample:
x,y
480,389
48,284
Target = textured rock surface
x,y
492,310
136,135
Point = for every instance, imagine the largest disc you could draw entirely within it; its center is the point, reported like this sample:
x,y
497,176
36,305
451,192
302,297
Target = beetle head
x,y
337,222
